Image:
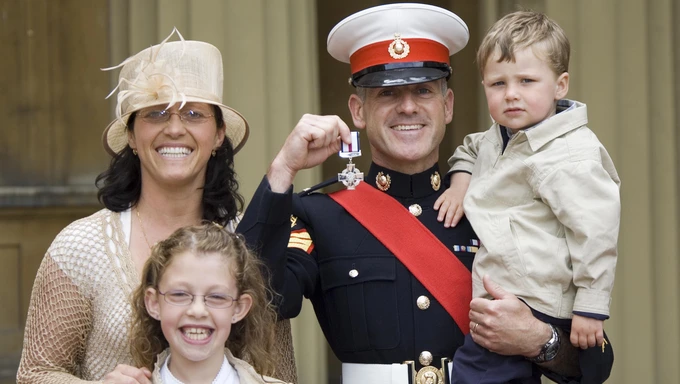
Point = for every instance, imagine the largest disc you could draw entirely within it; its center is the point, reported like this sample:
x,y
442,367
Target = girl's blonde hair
x,y
523,29
251,339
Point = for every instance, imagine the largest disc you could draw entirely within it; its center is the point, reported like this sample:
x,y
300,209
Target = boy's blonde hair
x,y
251,339
523,29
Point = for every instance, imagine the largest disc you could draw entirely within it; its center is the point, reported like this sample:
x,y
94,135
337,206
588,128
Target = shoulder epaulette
x,y
323,184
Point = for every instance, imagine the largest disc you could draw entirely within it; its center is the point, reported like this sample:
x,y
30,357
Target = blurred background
x,y
625,59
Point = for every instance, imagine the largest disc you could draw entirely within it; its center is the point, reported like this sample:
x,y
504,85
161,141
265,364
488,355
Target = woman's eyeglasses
x,y
162,116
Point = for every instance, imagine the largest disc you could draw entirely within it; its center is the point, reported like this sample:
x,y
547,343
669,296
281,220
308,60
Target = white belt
x,y
353,373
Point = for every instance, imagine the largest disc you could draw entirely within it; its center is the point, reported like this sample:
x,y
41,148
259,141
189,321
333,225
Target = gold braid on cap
x,y
154,80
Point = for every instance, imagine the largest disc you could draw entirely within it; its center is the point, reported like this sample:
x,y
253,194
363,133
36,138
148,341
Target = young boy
x,y
543,197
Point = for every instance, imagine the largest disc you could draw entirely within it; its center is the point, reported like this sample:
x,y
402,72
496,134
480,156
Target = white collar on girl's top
x,y
226,375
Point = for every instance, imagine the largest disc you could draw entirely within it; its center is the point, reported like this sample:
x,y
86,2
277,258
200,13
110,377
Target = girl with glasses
x,y
202,306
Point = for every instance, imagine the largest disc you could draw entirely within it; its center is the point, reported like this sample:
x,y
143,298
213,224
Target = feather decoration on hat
x,y
154,81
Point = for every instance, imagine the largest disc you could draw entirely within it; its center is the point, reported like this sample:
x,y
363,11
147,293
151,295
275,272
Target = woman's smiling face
x,y
175,152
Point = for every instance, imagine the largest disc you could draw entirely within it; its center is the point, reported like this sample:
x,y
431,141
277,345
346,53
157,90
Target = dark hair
x,y
121,184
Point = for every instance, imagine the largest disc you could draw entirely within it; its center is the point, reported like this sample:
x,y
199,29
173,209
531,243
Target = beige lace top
x,y
77,323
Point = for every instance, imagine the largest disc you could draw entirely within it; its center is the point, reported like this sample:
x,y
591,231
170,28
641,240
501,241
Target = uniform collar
x,y
410,186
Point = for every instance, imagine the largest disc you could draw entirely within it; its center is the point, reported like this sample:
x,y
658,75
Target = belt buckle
x,y
428,374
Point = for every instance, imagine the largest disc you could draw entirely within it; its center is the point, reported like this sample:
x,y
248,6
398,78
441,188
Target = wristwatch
x,y
549,350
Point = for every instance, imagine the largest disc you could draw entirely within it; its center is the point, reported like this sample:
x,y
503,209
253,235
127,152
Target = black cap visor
x,y
392,75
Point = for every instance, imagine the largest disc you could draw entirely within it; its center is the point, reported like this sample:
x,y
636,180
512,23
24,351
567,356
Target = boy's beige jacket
x,y
547,212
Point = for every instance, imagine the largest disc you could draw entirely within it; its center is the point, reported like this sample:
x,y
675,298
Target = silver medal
x,y
351,176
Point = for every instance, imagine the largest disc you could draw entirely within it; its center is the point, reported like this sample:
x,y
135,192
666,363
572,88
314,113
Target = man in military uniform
x,y
391,302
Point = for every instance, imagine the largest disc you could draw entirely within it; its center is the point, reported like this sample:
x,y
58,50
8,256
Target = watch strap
x,y
549,349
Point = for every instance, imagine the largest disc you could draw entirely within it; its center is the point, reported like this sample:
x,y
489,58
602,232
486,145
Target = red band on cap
x,y
378,54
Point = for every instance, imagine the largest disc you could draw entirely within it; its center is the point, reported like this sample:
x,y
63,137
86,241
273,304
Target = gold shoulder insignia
x,y
293,220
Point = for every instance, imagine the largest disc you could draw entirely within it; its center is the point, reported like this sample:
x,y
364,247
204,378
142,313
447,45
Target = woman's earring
x,y
233,319
214,153
134,152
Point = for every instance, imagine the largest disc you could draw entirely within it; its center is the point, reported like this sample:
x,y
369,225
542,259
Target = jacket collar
x,y
569,116
406,186
245,371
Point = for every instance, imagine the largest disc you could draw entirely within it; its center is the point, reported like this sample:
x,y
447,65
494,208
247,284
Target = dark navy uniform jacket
x,y
363,296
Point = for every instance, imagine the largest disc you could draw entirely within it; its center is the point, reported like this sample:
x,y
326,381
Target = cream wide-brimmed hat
x,y
169,73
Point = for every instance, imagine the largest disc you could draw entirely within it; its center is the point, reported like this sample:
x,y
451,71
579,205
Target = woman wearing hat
x,y
172,146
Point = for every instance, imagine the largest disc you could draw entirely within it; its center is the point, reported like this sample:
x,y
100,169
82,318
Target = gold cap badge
x,y
398,49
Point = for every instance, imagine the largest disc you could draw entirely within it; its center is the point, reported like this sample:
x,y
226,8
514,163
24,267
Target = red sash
x,y
430,261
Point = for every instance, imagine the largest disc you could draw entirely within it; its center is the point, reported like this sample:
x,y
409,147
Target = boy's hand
x,y
450,206
586,332
450,203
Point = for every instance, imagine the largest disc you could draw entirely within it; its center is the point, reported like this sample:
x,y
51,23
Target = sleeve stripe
x,y
301,239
